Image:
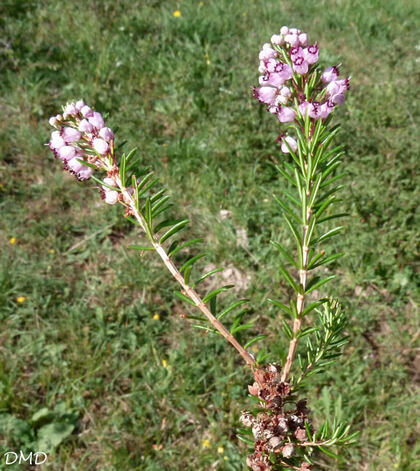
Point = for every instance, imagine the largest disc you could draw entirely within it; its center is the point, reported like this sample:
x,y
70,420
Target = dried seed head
x,y
288,450
247,419
274,444
257,431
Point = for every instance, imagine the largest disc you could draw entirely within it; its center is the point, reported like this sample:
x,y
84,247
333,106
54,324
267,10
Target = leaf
x,y
148,213
246,440
319,283
262,355
315,189
140,247
42,413
159,204
334,179
249,325
215,292
187,275
158,195
148,187
173,230
306,331
184,298
51,435
291,197
328,260
254,340
284,253
293,229
289,278
122,169
211,272
144,180
206,328
286,175
282,306
175,250
328,452
161,210
232,307
333,216
286,208
325,205
191,261
327,235
287,330
313,306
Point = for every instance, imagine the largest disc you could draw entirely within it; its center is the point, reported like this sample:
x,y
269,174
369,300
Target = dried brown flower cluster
x,y
278,429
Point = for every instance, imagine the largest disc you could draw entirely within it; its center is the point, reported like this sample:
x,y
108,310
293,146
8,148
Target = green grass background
x,y
146,394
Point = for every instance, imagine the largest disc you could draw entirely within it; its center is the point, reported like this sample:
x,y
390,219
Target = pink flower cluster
x,y
80,136
286,66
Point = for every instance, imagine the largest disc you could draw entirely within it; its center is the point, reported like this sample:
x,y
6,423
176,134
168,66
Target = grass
x,y
97,344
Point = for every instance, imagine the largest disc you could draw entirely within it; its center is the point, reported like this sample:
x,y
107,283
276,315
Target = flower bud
x,y
284,30
84,173
274,443
70,134
79,105
85,126
86,111
262,69
303,39
53,121
66,153
267,53
111,196
285,91
96,120
100,146
292,39
110,182
70,110
247,419
286,114
56,141
281,100
75,165
277,39
292,144
106,134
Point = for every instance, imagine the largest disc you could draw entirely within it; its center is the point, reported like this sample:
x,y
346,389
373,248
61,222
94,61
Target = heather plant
x,y
276,423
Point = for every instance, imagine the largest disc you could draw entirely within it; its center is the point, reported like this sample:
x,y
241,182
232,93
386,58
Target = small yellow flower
x,y
177,13
156,317
225,458
205,443
21,299
220,449
51,251
207,58
12,240
201,4
166,365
